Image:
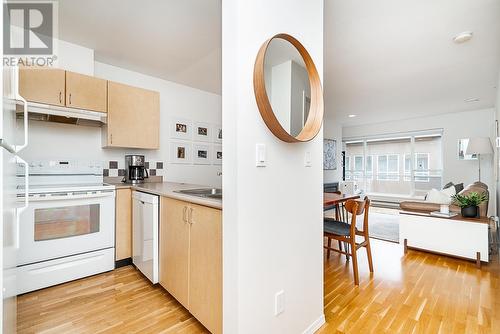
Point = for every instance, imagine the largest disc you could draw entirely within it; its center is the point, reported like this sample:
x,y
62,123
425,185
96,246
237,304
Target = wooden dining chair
x,y
346,232
340,215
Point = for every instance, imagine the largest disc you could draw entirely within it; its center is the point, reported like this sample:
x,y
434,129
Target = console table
x,y
465,238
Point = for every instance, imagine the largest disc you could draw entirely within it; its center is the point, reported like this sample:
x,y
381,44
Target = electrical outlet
x,y
279,302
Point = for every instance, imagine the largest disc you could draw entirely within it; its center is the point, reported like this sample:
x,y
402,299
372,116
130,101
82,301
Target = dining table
x,y
333,200
330,199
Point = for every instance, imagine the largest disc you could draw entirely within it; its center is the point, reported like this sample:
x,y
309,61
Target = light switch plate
x,y
279,302
498,142
307,159
260,155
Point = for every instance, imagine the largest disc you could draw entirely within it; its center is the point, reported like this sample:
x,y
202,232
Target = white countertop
x,y
168,189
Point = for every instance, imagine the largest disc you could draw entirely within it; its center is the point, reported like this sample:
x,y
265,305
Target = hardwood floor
x,y
121,301
416,293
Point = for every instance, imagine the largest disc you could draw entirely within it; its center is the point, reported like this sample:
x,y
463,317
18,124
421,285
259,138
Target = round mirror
x,y
288,90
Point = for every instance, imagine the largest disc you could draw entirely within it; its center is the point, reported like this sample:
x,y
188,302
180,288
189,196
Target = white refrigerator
x,y
13,139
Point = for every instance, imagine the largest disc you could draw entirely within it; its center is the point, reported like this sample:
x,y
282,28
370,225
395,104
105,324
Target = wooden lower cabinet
x,y
123,218
174,249
191,259
205,267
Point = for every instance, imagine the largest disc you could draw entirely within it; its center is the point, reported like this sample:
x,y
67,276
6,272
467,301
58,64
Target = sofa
x,y
478,187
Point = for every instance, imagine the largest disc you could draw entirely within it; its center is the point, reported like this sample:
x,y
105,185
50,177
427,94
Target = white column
x,y
273,216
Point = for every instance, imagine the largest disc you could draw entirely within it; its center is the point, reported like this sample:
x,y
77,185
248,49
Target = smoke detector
x,y
463,37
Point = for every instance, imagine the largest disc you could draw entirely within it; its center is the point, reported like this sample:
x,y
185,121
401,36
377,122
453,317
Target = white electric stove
x,y
68,230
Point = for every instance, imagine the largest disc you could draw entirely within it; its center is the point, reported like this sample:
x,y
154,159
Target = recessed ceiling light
x,y
352,116
463,37
472,99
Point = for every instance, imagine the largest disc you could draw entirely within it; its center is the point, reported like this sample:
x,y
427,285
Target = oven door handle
x,y
72,196
26,199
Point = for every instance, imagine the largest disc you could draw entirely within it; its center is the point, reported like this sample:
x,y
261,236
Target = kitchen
x,y
119,167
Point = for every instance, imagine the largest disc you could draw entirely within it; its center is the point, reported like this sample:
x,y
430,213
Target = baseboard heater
x,y
384,204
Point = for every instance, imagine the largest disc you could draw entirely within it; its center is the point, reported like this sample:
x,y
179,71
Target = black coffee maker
x,y
135,169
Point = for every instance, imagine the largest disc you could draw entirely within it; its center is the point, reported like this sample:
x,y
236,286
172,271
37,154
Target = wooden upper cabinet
x,y
85,92
42,85
205,267
133,117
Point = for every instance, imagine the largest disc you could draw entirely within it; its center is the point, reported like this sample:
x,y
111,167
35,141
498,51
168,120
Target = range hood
x,y
50,113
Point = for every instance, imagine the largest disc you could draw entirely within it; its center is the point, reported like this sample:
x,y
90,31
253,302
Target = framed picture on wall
x,y
180,152
202,131
201,154
329,154
462,148
217,134
181,128
217,155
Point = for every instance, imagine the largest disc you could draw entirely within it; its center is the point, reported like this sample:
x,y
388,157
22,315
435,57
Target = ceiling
x,y
384,59
179,41
395,59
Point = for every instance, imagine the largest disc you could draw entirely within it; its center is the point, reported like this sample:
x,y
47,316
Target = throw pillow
x,y
459,187
440,197
449,184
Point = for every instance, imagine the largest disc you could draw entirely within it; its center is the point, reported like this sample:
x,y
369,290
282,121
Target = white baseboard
x,y
315,325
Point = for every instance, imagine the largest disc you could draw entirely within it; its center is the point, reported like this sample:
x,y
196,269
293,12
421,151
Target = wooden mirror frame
x,y
315,117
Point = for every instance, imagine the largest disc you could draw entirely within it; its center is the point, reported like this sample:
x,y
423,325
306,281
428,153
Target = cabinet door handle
x,y
184,211
60,97
191,216
69,98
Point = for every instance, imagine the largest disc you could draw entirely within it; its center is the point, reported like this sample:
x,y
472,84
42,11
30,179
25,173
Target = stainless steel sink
x,y
203,192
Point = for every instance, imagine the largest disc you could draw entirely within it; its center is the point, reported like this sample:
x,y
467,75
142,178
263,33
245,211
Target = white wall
x,y
273,216
478,123
74,58
54,140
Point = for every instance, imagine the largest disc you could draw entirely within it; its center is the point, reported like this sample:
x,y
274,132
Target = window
x,y
421,167
358,163
407,167
369,168
347,166
358,171
388,167
384,165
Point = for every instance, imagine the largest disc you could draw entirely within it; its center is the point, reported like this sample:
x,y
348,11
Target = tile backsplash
x,y
114,168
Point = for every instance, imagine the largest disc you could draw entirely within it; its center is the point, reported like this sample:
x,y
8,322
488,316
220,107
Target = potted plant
x,y
469,203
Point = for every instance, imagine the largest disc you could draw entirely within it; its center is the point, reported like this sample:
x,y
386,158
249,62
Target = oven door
x,y
66,224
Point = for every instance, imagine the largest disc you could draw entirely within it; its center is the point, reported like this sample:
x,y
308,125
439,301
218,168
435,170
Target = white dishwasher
x,y
145,234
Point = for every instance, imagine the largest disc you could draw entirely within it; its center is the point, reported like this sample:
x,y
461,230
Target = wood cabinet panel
x,y
123,242
133,117
174,249
42,85
86,92
205,267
